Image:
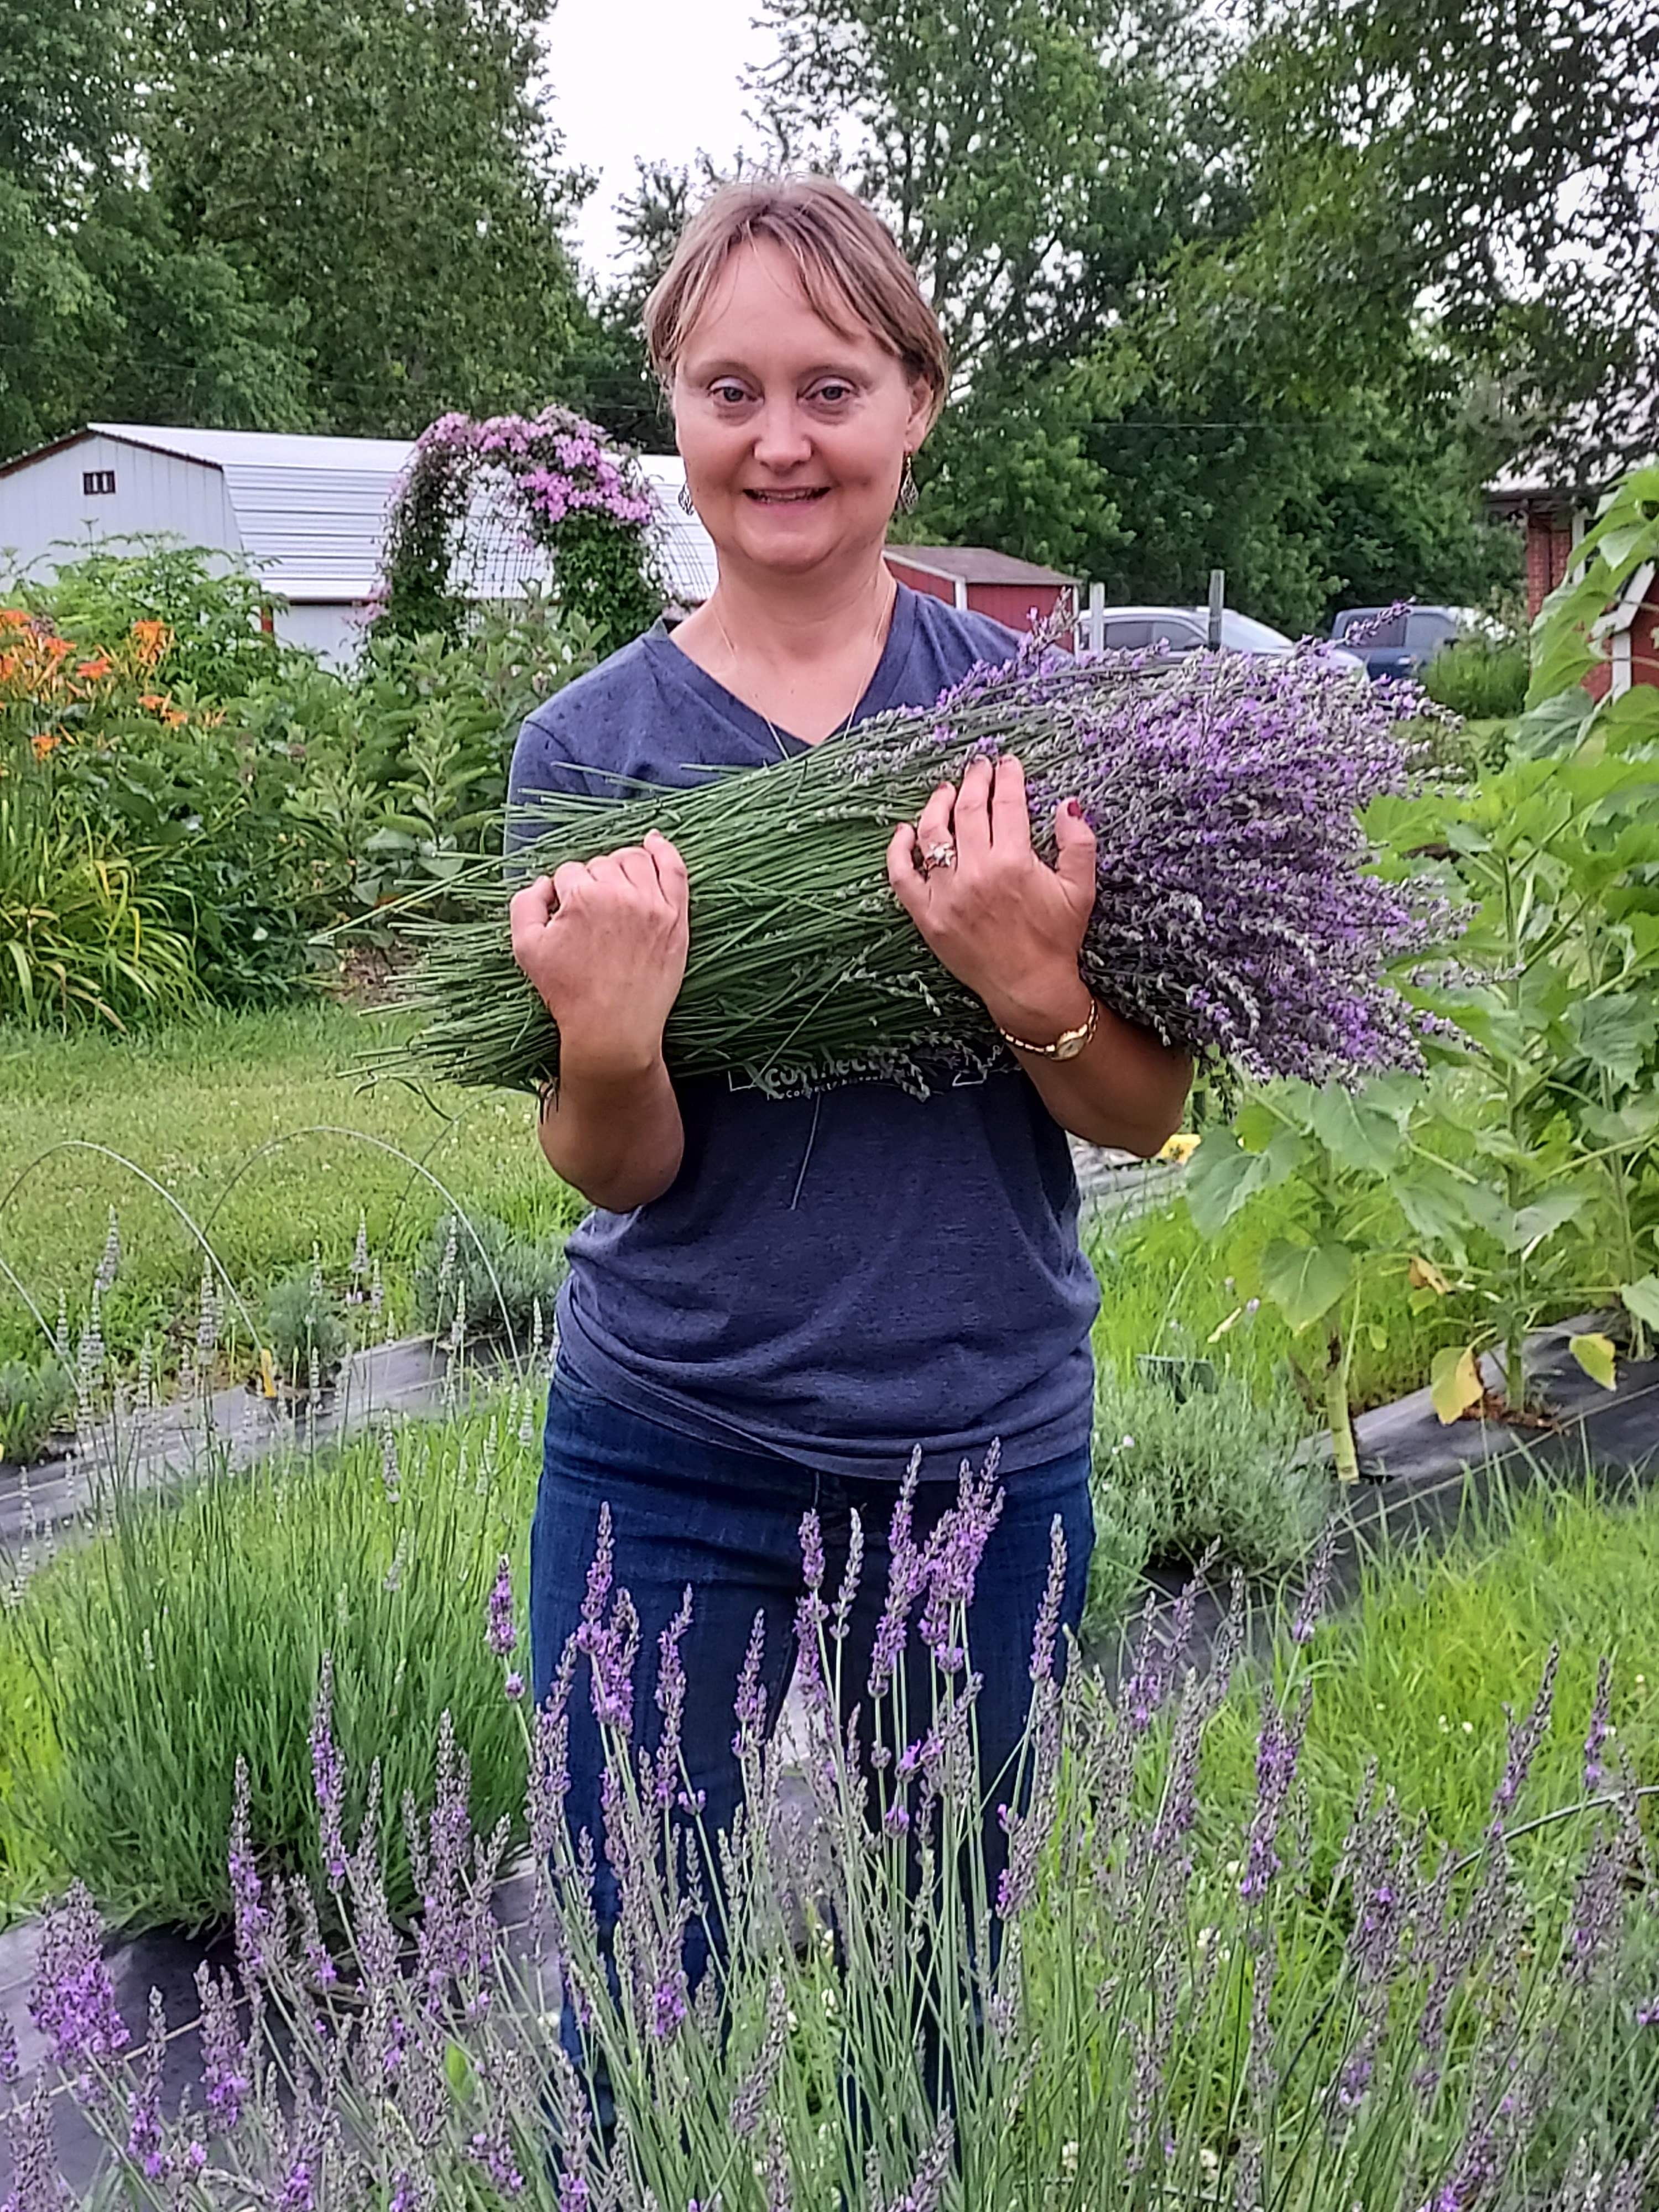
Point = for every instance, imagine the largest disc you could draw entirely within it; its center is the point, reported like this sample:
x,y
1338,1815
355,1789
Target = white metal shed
x,y
307,512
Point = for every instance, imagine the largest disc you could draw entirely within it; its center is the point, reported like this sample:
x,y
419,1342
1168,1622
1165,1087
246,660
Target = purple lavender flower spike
x,y
750,1705
146,2144
1525,1738
842,1619
1046,1635
1596,1774
501,1634
670,1702
328,1778
36,2183
811,1551
1278,1751
226,2069
1598,1897
73,1999
1317,1589
10,2071
252,1918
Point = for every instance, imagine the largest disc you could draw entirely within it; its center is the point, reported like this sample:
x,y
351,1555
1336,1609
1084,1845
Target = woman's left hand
x,y
1002,920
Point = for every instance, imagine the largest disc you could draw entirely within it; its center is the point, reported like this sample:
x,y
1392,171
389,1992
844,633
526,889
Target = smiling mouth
x,y
788,498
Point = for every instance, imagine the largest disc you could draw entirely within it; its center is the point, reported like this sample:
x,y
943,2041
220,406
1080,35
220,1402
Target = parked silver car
x,y
1186,629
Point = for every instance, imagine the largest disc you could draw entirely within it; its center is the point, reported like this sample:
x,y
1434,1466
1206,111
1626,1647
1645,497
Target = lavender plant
x,y
189,1637
1128,2017
1234,914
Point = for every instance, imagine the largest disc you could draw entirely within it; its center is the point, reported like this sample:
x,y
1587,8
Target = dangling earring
x,y
688,505
907,494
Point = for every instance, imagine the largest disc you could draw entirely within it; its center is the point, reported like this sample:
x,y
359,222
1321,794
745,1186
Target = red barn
x,y
1555,516
1016,592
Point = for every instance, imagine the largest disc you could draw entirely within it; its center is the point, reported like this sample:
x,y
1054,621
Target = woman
x,y
775,1300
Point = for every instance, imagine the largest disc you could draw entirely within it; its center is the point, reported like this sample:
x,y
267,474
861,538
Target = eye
x,y
728,394
835,390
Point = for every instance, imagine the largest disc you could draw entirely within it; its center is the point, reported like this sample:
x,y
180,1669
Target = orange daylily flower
x,y
152,699
14,618
45,741
98,666
154,638
173,718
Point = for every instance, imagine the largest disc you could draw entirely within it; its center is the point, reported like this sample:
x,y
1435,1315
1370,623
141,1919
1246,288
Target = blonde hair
x,y
848,263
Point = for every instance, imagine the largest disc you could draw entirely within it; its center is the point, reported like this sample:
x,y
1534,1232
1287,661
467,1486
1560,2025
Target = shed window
x,y
94,481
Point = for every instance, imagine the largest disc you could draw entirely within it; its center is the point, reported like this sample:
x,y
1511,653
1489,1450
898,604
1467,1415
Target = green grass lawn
x,y
256,1126
1415,1677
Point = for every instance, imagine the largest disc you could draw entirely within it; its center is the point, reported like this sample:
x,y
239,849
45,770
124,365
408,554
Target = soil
x,y
369,974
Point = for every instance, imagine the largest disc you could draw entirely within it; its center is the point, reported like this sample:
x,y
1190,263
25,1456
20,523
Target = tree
x,y
1510,149
102,310
611,381
1186,338
378,169
1031,155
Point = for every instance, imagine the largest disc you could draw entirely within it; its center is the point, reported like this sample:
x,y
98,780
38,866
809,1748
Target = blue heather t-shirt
x,y
841,1277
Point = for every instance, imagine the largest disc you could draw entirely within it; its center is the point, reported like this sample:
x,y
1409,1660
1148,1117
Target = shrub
x,y
216,641
193,1635
1480,678
79,940
305,1328
1179,1469
35,1401
498,1277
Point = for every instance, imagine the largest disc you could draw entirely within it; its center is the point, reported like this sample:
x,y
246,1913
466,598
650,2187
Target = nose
x,y
782,440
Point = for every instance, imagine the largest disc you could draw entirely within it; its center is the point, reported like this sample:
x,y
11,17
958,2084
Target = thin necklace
x,y
881,648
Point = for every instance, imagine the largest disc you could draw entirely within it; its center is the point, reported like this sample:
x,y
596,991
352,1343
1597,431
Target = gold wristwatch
x,y
1067,1045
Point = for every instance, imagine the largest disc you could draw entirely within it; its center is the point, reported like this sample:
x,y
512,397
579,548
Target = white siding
x,y
307,514
335,631
46,517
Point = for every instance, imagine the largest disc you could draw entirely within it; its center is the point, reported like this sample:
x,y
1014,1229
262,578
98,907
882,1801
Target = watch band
x,y
1067,1045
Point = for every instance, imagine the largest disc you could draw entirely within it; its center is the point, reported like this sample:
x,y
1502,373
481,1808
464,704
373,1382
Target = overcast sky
x,y
655,78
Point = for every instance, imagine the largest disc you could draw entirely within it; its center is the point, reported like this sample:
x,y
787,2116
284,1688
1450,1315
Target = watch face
x,y
1071,1044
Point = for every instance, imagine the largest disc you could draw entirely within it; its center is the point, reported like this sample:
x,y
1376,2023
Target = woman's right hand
x,y
603,941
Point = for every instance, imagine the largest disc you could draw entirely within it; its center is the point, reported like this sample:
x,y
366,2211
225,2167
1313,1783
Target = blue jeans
x,y
726,1520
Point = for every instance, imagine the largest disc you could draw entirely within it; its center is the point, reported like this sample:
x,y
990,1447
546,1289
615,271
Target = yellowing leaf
x,y
1454,1381
1597,1356
1180,1148
267,1373
1424,1275
1222,1327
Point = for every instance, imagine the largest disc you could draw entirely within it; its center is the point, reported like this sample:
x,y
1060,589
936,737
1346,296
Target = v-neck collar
x,y
877,696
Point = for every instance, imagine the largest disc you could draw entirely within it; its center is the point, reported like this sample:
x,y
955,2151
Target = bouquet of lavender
x,y
1234,916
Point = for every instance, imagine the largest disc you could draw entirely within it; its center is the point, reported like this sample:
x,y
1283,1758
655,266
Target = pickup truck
x,y
1404,644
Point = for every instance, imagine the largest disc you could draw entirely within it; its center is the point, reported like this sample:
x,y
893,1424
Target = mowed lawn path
x,y
192,1107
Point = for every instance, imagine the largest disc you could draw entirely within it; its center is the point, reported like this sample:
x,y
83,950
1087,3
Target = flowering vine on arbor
x,y
558,484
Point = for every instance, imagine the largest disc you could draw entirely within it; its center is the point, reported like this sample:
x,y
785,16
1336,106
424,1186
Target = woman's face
x,y
794,436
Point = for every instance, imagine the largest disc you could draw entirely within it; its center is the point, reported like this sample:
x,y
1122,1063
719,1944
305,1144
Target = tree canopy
x,y
278,215
1276,300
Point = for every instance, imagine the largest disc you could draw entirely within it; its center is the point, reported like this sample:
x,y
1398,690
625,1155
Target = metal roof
x,y
311,510
973,564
